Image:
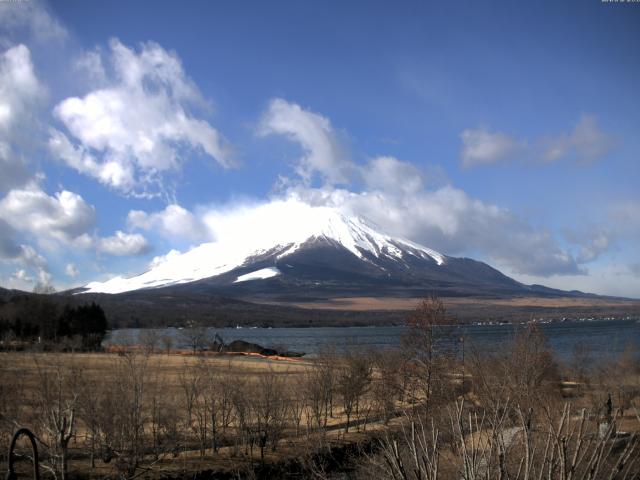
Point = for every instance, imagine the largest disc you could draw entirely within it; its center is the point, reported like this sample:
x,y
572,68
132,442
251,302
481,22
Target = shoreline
x,y
540,321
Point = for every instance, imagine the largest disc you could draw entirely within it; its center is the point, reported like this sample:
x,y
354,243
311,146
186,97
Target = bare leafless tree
x,y
219,391
413,456
195,335
89,406
191,386
387,385
318,387
167,343
56,399
489,445
524,371
163,424
149,339
202,407
297,402
354,377
240,399
269,408
11,403
125,399
419,345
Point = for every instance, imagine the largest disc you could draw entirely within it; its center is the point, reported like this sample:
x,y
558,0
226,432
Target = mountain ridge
x,y
288,227
291,251
291,264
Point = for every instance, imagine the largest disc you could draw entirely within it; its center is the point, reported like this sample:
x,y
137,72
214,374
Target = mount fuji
x,y
287,263
289,250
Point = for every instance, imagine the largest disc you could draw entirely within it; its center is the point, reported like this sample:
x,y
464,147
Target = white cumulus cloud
x,y
20,89
65,217
390,174
15,172
323,154
449,220
21,93
160,259
137,127
124,244
9,247
71,270
21,276
395,196
173,221
34,267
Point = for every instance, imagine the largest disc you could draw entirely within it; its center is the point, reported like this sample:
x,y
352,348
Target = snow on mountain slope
x,y
258,274
280,227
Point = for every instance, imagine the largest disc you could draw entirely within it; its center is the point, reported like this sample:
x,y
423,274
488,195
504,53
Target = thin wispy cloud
x,y
483,147
584,144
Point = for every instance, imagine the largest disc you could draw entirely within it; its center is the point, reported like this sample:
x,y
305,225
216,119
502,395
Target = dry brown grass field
x,y
505,414
170,379
408,303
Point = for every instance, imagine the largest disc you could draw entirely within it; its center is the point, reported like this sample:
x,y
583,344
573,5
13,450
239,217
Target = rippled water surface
x,y
603,338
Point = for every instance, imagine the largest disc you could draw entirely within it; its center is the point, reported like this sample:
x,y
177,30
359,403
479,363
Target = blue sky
x,y
503,131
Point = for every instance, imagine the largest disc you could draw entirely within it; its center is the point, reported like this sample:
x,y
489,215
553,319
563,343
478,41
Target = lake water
x,y
604,338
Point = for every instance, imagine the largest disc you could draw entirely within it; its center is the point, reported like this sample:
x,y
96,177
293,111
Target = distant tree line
x,y
43,320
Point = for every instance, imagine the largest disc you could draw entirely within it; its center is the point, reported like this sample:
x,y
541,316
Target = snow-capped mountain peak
x,y
278,229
